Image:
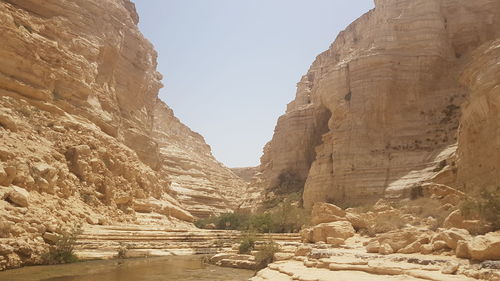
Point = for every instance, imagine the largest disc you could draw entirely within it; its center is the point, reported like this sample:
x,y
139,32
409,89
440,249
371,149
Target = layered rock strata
x,y
83,135
379,111
201,184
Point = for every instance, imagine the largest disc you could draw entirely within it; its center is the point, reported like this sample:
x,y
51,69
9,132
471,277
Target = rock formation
x,y
387,105
202,185
83,135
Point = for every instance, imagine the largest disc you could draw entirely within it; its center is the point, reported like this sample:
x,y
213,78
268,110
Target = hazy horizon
x,y
230,67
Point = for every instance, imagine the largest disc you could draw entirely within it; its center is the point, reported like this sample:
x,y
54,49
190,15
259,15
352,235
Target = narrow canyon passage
x,y
385,165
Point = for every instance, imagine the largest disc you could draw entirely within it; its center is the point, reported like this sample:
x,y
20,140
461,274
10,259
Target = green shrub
x,y
227,221
231,221
266,255
286,217
262,223
63,250
247,244
288,182
122,251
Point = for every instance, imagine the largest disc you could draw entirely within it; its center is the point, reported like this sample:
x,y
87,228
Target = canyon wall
x,y
380,110
479,139
83,135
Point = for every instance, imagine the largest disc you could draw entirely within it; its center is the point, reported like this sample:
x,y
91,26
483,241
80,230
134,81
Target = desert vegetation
x,y
63,249
282,216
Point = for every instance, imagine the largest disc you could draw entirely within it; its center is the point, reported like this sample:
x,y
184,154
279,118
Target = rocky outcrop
x,y
246,173
201,184
83,135
350,262
379,111
478,158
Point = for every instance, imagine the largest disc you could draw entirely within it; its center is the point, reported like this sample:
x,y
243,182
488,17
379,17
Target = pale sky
x,y
231,66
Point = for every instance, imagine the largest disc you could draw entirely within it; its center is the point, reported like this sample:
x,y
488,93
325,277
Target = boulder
x,y
399,239
456,220
357,221
338,229
19,196
373,246
485,247
51,237
426,249
324,213
307,235
439,245
8,174
412,248
450,267
462,250
283,256
452,236
303,250
335,241
453,220
385,249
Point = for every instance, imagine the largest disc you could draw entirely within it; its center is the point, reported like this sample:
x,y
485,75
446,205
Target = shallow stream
x,y
188,268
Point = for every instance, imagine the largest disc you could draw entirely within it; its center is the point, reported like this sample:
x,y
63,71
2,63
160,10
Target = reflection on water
x,y
188,268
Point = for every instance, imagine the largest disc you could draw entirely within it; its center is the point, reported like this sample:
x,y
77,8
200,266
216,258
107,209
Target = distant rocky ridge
x,y
407,94
83,135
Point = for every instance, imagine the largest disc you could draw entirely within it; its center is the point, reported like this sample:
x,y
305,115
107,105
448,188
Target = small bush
x,y
63,250
262,223
231,221
266,255
288,182
288,218
227,221
247,244
122,251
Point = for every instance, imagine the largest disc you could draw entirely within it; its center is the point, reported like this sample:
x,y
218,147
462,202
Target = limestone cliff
x,y
83,136
379,111
478,139
202,185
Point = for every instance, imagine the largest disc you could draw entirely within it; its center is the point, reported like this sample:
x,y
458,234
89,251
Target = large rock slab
x,y
339,229
324,212
485,247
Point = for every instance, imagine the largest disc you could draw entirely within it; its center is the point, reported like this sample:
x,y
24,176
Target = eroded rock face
x,y
203,185
379,111
83,135
478,153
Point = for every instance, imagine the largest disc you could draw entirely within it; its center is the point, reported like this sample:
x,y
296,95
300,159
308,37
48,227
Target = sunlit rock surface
x,y
84,138
379,111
